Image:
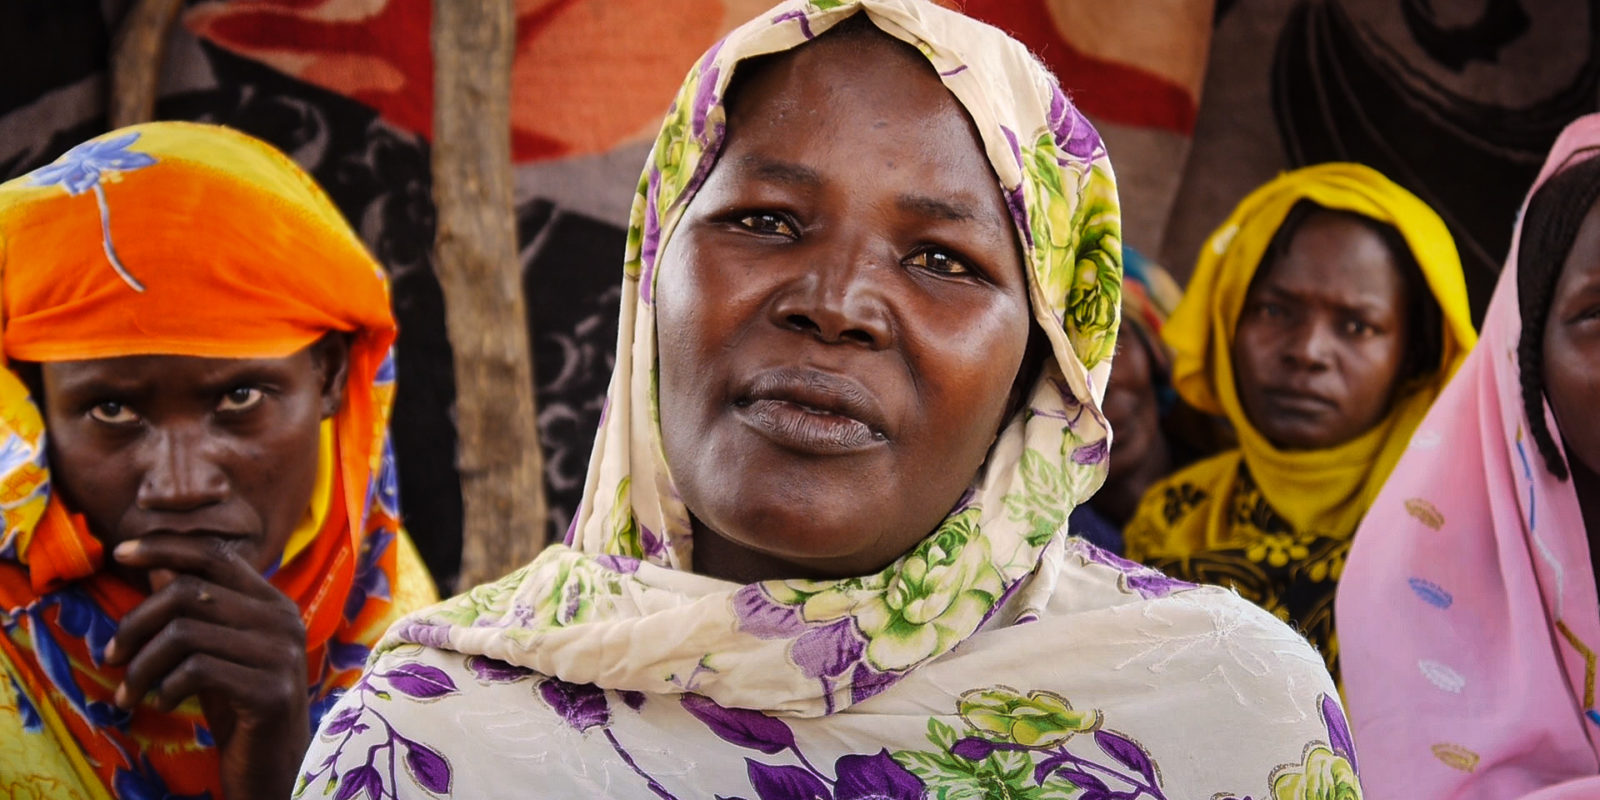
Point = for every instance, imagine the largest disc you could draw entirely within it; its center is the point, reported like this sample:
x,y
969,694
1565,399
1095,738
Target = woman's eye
x,y
113,413
243,398
1356,327
767,223
940,262
1270,310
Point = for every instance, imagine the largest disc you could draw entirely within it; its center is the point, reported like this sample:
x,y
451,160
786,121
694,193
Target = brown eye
x,y
767,223
1356,327
940,262
240,399
113,413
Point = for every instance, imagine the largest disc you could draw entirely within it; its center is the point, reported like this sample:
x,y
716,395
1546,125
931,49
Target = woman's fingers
x,y
214,558
187,597
248,688
163,663
217,607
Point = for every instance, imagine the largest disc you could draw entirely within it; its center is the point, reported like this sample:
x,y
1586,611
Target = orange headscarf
x,y
193,240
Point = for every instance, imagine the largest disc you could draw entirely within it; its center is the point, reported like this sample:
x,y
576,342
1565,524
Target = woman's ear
x,y
331,356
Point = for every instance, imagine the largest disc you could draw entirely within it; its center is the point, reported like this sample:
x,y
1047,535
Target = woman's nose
x,y
838,303
181,473
1309,346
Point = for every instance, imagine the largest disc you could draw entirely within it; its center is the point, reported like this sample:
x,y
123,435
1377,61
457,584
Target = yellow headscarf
x,y
1320,494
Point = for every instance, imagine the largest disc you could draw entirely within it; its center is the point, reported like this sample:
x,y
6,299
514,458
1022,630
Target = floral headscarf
x,y
996,653
1053,170
180,239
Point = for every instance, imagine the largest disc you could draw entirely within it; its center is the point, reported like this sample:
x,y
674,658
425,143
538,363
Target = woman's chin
x,y
802,548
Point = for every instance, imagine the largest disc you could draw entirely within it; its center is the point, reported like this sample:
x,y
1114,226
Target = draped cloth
x,y
1468,609
193,240
996,651
1277,524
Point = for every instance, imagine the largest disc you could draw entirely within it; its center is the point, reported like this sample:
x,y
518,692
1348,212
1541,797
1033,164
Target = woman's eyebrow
x,y
947,210
776,171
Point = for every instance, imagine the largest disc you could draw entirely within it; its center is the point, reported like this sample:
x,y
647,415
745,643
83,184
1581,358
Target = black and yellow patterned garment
x,y
1291,573
1277,524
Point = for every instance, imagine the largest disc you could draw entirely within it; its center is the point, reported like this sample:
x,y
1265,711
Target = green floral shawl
x,y
599,608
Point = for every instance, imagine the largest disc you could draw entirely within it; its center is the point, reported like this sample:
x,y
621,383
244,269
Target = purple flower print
x,y
651,238
1147,582
759,616
426,767
583,706
654,548
705,96
800,16
80,170
874,777
828,651
420,681
1074,135
623,564
1091,453
427,634
1014,197
1339,731
493,670
740,726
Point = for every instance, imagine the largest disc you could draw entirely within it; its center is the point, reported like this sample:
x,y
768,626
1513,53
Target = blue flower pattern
x,y
81,169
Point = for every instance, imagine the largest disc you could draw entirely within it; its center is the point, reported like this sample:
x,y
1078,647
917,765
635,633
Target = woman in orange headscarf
x,y
197,557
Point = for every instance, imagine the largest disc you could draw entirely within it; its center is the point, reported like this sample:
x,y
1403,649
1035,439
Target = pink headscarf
x,y
1468,612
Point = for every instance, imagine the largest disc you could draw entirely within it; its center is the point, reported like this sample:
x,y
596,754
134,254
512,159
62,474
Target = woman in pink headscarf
x,y
1468,611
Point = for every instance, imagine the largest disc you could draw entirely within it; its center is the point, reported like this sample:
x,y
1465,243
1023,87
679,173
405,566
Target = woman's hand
x,y
213,627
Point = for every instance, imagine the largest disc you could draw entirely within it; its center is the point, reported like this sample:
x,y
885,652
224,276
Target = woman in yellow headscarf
x,y
1322,319
197,557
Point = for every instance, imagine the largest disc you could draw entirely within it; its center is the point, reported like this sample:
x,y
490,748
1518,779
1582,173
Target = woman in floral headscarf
x,y
1468,610
211,520
1323,318
868,305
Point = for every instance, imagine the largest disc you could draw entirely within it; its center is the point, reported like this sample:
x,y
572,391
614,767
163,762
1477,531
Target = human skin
x,y
841,317
1139,453
1572,363
1320,347
194,472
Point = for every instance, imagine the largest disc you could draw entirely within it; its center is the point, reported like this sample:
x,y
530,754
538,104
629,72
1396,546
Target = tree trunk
x,y
502,484
137,53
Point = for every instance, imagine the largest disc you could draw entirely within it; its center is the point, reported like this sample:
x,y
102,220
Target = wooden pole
x,y
502,483
137,53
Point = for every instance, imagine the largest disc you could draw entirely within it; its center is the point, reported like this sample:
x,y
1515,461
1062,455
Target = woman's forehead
x,y
164,371
878,103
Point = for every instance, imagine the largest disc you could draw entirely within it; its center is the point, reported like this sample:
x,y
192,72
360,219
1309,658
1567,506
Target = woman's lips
x,y
808,430
1300,403
812,412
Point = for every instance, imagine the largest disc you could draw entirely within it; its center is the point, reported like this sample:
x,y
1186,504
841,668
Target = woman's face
x,y
223,449
1321,340
841,313
1572,346
1131,404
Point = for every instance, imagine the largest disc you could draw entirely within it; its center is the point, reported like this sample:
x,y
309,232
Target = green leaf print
x,y
624,528
1078,250
1041,504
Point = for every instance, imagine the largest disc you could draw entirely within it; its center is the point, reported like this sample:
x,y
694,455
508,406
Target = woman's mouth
x,y
811,412
1296,402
